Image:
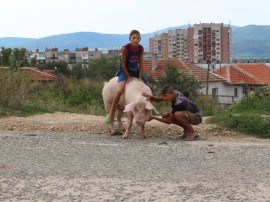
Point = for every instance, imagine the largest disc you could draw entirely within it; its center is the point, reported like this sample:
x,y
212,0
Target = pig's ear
x,y
149,105
129,107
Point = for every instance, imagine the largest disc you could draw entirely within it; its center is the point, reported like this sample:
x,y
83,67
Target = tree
x,y
33,62
103,68
179,80
78,71
61,66
5,52
12,61
20,57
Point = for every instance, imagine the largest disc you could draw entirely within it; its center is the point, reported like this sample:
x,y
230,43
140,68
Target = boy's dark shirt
x,y
182,103
132,61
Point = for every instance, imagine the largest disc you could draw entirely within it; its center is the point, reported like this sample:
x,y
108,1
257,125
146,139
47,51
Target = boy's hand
x,y
129,79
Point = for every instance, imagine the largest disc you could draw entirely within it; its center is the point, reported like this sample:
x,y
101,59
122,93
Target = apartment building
x,y
199,44
51,54
40,56
177,40
211,42
64,55
157,46
164,45
80,55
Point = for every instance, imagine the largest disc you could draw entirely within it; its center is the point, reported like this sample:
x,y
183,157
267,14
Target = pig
x,y
132,102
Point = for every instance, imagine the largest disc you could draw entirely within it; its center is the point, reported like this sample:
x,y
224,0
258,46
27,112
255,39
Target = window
x,y
214,91
235,92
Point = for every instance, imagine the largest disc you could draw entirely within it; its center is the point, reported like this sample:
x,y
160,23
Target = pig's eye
x,y
135,110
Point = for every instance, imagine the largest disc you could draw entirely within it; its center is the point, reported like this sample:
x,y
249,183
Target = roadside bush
x,y
49,96
250,123
257,101
251,115
208,105
15,88
70,95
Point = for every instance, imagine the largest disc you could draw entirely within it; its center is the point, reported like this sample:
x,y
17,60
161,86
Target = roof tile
x,y
199,73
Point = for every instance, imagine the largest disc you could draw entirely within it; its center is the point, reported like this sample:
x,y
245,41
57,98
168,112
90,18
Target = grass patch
x,y
251,115
253,123
22,111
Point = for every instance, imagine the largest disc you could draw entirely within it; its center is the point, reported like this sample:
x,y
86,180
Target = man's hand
x,y
168,118
147,96
150,118
166,115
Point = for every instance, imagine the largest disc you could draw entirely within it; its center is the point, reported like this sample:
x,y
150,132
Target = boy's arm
x,y
124,60
141,64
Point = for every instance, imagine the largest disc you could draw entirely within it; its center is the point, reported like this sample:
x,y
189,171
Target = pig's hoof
x,y
111,132
116,133
125,137
122,129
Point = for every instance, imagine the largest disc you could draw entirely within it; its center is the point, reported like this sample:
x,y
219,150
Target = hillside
x,y
249,41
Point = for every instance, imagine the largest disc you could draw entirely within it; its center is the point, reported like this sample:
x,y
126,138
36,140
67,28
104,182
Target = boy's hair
x,y
167,89
134,31
186,94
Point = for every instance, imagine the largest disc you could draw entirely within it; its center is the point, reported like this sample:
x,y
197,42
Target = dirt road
x,y
68,122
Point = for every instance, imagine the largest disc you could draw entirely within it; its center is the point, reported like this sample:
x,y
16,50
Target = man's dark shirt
x,y
182,103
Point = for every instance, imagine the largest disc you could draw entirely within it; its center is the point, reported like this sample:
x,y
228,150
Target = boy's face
x,y
135,39
168,97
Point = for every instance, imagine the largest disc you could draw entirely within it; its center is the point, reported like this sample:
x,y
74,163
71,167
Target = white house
x,y
228,84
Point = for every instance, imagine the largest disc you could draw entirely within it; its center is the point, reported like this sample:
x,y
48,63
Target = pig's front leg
x,y
129,125
111,127
142,132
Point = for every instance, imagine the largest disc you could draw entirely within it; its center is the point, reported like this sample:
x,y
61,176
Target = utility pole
x,y
207,78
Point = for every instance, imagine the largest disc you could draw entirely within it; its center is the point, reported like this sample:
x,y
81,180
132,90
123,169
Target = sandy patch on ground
x,y
70,122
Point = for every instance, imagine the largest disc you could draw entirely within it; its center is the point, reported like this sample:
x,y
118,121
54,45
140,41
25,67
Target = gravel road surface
x,y
76,166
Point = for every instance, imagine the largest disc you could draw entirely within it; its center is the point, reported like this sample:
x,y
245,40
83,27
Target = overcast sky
x,y
40,18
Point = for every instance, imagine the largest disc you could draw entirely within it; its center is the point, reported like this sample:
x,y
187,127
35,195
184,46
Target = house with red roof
x,y
243,78
157,68
229,83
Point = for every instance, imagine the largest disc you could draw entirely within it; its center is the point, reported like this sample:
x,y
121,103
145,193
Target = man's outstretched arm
x,y
153,98
168,119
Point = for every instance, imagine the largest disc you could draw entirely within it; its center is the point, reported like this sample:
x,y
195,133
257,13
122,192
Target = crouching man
x,y
184,112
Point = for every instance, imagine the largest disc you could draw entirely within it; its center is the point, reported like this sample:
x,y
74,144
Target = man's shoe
x,y
195,137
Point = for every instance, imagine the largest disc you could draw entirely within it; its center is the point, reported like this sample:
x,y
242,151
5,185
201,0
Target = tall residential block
x,y
201,43
156,46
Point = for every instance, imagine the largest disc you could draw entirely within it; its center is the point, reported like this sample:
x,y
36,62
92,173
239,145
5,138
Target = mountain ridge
x,y
247,41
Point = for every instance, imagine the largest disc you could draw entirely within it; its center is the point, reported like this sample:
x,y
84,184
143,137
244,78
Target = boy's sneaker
x,y
108,118
155,112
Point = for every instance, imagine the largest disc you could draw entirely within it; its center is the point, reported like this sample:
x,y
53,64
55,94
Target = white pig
x,y
136,105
